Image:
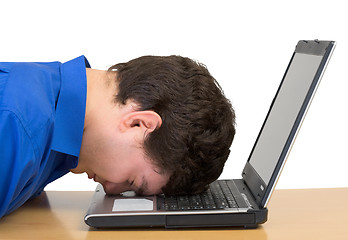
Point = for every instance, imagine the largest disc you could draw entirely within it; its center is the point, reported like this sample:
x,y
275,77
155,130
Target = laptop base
x,y
228,217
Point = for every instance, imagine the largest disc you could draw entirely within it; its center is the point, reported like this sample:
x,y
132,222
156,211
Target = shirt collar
x,y
71,107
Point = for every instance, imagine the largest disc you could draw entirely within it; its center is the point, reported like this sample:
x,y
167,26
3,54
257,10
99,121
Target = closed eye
x,y
131,183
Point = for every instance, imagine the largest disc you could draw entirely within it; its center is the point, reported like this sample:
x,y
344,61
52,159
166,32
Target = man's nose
x,y
115,188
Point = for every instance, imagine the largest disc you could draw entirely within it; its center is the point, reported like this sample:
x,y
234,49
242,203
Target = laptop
x,y
232,202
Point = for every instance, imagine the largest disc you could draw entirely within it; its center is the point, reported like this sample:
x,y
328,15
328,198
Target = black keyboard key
x,y
208,200
184,203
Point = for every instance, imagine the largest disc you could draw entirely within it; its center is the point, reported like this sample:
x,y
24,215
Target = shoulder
x,y
31,76
30,89
28,98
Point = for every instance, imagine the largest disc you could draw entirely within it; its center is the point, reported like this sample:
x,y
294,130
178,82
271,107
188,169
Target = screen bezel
x,y
260,190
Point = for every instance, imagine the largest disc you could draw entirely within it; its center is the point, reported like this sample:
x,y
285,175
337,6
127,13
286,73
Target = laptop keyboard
x,y
218,196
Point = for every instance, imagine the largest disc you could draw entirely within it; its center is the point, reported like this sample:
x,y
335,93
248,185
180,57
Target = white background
x,y
246,45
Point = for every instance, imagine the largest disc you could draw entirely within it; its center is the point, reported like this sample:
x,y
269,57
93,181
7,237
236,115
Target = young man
x,y
152,125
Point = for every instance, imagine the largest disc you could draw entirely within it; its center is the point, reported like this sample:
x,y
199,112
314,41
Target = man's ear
x,y
147,121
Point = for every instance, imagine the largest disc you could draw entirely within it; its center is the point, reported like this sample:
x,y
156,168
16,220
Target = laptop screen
x,y
283,115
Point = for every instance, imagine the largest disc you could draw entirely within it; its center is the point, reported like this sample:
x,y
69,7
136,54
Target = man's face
x,y
117,160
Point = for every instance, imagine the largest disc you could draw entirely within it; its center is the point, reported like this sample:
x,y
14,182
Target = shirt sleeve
x,y
18,162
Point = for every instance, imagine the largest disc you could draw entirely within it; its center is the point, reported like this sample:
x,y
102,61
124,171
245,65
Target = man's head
x,y
197,122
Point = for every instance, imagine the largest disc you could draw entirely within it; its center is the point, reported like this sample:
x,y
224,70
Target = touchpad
x,y
137,204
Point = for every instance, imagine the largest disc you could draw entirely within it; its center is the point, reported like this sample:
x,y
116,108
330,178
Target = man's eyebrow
x,y
143,187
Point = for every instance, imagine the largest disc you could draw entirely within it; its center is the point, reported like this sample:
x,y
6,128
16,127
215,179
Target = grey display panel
x,y
283,114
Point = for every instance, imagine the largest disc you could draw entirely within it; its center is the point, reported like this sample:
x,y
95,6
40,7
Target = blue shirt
x,y
42,113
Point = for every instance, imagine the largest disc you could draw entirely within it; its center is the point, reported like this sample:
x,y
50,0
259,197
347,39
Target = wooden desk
x,y
293,214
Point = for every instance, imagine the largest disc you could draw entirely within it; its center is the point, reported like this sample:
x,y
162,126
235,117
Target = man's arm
x,y
17,160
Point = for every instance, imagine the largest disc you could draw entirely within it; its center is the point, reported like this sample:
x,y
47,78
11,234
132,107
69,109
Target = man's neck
x,y
101,88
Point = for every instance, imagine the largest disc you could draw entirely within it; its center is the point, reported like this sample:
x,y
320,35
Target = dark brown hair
x,y
198,121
